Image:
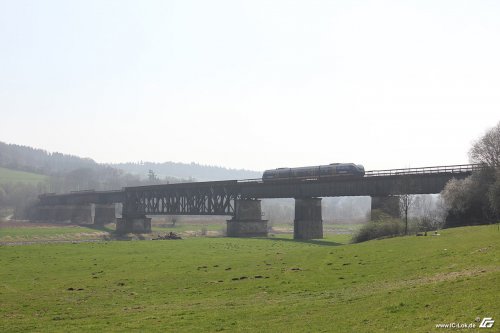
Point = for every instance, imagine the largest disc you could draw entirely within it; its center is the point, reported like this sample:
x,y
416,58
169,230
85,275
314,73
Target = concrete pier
x,y
104,214
388,205
308,223
247,220
137,225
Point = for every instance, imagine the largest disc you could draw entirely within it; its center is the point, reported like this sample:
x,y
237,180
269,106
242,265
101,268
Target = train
x,y
320,172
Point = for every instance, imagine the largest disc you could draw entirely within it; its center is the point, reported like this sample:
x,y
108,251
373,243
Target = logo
x,y
487,322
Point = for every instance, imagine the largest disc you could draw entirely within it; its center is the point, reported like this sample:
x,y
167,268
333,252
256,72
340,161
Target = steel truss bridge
x,y
218,197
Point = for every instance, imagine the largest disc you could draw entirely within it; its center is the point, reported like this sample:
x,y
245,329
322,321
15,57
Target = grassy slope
x,y
14,176
398,285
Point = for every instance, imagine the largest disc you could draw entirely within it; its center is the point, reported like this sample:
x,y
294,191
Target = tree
x,y
174,219
476,200
494,195
406,201
487,149
152,176
429,211
467,199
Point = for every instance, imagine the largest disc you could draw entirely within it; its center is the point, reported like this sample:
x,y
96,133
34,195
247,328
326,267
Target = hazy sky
x,y
251,84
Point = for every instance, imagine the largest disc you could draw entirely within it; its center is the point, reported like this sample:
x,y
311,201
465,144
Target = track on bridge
x,y
217,197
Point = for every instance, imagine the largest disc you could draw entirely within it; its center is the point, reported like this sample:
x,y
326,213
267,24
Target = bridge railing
x,y
250,180
459,168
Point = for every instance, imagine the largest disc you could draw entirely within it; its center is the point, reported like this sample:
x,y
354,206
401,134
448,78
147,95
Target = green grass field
x,y
405,284
14,176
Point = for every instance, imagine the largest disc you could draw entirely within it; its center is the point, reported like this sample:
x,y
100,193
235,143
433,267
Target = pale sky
x,y
251,84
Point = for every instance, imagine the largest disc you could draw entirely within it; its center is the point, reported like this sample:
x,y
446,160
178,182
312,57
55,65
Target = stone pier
x,y
308,223
247,220
135,224
104,214
387,205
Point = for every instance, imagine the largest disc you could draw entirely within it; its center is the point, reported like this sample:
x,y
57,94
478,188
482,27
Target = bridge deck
x,y
217,197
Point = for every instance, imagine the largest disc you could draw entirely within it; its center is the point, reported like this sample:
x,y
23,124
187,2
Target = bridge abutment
x,y
388,205
104,213
308,223
136,225
247,220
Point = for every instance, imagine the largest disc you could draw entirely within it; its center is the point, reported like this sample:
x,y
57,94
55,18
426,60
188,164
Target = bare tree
x,y
467,199
174,219
429,211
456,194
152,176
494,196
487,149
476,199
406,201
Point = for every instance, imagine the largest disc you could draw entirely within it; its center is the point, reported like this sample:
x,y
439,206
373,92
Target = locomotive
x,y
321,172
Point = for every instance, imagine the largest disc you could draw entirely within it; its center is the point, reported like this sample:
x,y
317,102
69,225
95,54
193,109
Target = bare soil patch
x,y
30,224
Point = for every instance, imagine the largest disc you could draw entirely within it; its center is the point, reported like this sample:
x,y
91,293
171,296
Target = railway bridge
x,y
240,199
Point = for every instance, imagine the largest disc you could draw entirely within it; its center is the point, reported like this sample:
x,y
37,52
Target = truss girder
x,y
208,200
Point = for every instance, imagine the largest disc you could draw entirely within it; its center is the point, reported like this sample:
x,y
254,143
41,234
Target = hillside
x,y
186,171
14,176
404,284
23,158
23,168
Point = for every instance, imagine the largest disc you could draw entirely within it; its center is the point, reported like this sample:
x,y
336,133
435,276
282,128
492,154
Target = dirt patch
x,y
436,278
14,243
281,230
29,224
447,276
195,233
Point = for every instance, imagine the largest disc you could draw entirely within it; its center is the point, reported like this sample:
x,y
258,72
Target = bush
x,y
468,199
379,215
379,229
475,200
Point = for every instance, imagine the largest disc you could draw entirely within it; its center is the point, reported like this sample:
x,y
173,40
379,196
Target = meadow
x,y
275,284
14,176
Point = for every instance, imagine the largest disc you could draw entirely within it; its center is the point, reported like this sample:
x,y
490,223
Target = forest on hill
x,y
187,171
61,173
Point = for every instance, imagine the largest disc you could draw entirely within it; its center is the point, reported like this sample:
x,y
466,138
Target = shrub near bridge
x,y
379,229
